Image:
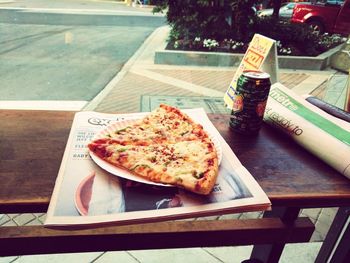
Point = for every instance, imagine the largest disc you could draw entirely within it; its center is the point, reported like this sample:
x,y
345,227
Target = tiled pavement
x,y
335,92
142,81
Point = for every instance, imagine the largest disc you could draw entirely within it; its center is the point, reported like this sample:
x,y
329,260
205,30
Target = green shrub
x,y
208,19
229,25
299,38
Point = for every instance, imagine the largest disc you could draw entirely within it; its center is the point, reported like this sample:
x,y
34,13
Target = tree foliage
x,y
217,19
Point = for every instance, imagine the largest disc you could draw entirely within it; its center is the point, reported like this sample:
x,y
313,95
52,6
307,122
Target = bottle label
x,y
237,103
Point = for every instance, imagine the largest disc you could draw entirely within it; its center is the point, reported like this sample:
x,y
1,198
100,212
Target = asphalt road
x,y
59,55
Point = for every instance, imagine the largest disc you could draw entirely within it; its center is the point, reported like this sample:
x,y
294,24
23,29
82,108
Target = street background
x,y
67,50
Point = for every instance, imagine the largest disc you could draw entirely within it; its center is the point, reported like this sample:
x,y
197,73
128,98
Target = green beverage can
x,y
249,103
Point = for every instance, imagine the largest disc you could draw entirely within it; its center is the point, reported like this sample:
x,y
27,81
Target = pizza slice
x,y
165,124
166,146
192,165
174,123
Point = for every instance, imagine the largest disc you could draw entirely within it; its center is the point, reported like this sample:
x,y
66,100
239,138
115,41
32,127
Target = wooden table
x,y
31,148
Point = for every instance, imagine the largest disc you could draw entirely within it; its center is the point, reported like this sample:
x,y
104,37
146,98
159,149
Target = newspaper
x,y
320,133
85,193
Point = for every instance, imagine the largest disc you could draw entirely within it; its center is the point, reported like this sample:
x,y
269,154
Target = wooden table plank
x,y
172,234
31,148
289,174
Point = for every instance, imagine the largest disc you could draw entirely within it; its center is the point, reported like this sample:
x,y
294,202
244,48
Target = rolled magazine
x,y
320,133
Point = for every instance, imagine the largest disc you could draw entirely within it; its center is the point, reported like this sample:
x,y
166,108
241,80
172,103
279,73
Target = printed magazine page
x,y
85,193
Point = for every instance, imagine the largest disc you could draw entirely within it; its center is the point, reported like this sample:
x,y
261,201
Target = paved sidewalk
x,y
142,84
141,77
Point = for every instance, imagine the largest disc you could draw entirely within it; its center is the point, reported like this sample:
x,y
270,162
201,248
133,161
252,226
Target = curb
x,y
195,58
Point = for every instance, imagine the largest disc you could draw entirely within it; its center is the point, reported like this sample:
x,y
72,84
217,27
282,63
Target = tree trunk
x,y
276,8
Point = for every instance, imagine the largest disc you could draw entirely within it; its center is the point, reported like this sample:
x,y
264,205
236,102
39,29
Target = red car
x,y
329,16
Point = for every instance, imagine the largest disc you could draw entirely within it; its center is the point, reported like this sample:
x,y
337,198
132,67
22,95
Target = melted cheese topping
x,y
182,161
169,122
137,133
159,125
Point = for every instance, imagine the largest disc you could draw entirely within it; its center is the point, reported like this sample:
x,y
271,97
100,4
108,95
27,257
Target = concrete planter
x,y
175,57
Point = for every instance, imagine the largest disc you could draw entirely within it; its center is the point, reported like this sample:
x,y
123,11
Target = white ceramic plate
x,y
124,173
121,172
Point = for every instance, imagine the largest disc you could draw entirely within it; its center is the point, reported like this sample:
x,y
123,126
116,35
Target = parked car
x,y
329,16
286,11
